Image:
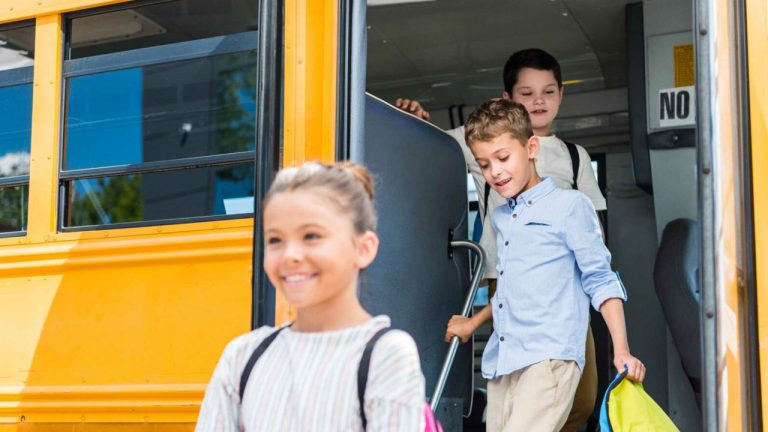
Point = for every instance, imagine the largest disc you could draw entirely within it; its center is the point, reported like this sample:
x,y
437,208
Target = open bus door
x,y
418,279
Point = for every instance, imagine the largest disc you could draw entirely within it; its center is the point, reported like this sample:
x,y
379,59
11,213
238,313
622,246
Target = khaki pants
x,y
537,398
586,392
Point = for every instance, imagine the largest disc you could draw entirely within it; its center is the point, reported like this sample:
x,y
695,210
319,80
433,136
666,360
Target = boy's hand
x,y
460,326
635,368
413,107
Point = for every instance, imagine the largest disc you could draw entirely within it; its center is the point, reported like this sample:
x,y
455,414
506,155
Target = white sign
x,y
238,205
677,106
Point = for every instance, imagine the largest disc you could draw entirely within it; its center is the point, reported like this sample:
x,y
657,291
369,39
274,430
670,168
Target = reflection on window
x,y
163,195
16,60
160,24
15,129
13,202
160,120
161,112
17,47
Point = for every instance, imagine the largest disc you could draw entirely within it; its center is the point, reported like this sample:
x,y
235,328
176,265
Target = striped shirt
x,y
308,382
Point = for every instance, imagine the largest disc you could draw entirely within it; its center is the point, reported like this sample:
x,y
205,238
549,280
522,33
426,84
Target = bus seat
x,y
675,276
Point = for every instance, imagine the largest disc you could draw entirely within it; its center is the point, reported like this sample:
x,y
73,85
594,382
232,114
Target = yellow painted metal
x,y
46,112
17,10
113,329
757,44
311,55
124,328
725,116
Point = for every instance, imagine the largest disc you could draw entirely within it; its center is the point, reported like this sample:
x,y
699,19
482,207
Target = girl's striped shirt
x,y
308,382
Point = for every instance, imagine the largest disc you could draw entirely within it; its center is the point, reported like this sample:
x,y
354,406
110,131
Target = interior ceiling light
x,y
392,2
115,26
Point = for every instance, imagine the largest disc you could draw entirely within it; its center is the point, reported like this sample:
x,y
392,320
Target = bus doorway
x,y
619,61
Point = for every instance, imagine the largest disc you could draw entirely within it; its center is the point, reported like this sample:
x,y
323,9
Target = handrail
x,y
478,274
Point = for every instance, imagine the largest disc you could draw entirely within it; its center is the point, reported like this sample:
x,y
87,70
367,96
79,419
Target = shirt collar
x,y
534,194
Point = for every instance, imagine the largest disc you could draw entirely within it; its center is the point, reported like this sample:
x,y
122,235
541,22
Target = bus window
x,y
160,112
16,60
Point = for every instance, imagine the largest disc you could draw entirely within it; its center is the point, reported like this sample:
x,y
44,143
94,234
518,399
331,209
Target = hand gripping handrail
x,y
476,276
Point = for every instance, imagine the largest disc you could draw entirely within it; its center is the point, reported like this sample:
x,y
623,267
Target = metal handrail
x,y
477,275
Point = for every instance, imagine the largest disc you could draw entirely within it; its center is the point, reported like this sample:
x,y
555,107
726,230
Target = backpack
x,y
626,407
575,161
432,425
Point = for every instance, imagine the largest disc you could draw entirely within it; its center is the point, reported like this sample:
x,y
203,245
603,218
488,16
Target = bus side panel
x,y
757,44
125,328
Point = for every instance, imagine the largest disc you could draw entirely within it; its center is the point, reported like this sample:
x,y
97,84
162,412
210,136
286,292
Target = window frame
x,y
147,56
11,78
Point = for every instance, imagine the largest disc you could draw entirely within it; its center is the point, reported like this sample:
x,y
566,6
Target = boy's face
x,y
538,92
507,164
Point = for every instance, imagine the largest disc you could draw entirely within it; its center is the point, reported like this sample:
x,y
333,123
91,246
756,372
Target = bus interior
x,y
185,75
617,57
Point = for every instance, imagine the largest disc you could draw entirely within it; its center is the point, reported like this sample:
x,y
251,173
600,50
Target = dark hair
x,y
348,185
496,117
534,58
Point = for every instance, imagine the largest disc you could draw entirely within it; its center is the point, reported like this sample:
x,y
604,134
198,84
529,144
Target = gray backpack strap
x,y
362,371
574,161
254,358
486,194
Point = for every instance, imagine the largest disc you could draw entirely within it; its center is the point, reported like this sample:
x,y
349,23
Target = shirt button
x,y
530,202
501,305
514,215
501,338
506,243
501,273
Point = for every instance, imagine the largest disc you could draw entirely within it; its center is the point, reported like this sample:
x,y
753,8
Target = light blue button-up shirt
x,y
551,262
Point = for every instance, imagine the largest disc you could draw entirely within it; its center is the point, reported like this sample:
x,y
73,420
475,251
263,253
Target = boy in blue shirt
x,y
551,263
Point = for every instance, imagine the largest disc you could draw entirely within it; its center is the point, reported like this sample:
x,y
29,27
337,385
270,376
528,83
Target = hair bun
x,y
360,173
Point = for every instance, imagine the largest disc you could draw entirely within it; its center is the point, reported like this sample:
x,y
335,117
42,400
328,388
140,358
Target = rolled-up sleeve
x,y
584,238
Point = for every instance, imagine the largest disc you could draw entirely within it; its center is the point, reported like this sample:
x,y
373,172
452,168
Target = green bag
x,y
627,407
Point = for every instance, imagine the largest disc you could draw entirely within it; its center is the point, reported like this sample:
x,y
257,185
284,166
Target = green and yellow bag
x,y
627,407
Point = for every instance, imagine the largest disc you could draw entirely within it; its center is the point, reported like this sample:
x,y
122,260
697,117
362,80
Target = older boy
x,y
551,263
532,77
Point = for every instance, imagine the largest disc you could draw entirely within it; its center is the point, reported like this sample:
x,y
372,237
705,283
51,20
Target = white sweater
x,y
308,382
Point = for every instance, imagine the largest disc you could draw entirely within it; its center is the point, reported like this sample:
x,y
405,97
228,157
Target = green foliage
x,y
13,208
112,200
235,124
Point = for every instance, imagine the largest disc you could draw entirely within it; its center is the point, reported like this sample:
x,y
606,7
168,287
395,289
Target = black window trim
x,y
21,180
114,8
16,77
156,222
158,166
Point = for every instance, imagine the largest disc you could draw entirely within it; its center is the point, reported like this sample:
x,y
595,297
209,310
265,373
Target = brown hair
x,y
349,187
496,117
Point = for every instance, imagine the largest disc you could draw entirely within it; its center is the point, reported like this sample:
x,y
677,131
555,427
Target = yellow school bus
x,y
114,314
135,137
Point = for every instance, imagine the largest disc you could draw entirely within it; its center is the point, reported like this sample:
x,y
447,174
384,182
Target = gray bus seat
x,y
421,198
675,276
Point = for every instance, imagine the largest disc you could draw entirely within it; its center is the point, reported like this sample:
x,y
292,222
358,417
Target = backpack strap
x,y
260,349
362,371
574,161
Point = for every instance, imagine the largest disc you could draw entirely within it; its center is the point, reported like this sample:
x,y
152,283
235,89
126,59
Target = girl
x,y
319,233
